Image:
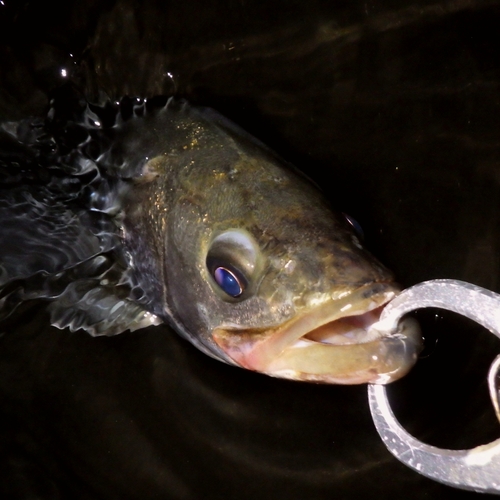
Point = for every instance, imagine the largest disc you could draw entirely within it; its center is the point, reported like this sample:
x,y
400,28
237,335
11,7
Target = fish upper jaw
x,y
337,342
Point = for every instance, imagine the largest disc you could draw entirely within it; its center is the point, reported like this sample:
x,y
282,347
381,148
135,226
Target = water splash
x,y
61,181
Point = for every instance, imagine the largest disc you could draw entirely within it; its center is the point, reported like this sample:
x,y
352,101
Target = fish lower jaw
x,y
377,359
346,350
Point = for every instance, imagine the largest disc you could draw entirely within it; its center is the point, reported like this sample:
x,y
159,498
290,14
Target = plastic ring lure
x,y
476,469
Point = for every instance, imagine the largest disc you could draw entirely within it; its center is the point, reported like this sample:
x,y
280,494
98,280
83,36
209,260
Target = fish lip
x,y
286,351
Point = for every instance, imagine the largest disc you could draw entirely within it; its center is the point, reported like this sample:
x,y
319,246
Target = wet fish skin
x,y
208,177
176,191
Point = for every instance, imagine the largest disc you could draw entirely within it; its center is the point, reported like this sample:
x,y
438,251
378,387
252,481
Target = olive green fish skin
x,y
153,212
203,176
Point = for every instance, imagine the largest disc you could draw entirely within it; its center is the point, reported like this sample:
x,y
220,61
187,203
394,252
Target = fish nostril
x,y
355,225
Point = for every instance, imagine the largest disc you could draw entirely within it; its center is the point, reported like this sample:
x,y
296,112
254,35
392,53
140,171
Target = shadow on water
x,y
392,107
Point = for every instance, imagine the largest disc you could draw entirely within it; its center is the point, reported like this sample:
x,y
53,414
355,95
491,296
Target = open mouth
x,y
337,342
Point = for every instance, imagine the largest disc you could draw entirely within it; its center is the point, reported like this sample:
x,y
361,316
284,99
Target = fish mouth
x,y
337,342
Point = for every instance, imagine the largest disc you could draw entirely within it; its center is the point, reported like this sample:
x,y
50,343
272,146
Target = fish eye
x,y
228,281
233,263
355,225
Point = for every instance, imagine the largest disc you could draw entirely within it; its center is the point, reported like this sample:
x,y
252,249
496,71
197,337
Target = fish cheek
x,y
197,305
194,307
184,235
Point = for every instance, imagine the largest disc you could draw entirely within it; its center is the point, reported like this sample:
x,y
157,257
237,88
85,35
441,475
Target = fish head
x,y
263,274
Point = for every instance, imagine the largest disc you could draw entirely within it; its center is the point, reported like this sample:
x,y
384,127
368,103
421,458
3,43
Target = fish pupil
x,y
228,281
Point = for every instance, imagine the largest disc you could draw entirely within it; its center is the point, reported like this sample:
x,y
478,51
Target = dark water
x,y
399,103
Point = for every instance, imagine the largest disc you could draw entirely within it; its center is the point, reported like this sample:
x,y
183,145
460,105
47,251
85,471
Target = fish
x,y
129,214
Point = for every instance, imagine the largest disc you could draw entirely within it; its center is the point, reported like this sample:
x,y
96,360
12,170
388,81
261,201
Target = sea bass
x,y
175,215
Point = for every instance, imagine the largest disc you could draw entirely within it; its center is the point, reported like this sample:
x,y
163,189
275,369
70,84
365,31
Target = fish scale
x,y
139,192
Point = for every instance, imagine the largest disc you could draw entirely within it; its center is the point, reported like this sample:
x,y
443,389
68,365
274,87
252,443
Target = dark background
x,y
401,101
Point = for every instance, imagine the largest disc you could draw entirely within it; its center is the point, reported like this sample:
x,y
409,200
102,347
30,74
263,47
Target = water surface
x,y
397,102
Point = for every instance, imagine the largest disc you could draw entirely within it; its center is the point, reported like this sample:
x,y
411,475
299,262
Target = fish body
x,y
214,234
